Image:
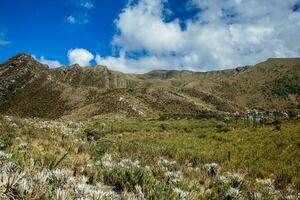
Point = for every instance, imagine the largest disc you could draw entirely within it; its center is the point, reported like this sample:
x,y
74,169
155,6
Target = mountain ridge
x,y
29,88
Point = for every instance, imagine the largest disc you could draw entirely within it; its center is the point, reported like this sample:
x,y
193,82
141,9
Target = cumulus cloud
x,y
142,28
222,34
143,64
80,56
50,63
115,63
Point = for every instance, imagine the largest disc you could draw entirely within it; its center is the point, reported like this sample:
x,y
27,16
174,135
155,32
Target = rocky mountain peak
x,y
24,61
23,57
75,66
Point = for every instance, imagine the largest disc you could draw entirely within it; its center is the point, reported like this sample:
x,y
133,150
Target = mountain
x,y
31,89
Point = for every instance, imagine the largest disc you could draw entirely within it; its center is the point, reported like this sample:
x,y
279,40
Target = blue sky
x,y
41,27
142,35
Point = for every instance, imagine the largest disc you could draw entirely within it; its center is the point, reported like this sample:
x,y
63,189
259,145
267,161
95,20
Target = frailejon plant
x,y
55,161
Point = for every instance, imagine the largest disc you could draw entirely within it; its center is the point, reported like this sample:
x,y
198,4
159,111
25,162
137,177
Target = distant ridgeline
x,y
30,89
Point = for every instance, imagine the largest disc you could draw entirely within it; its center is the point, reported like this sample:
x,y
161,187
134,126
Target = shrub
x,y
101,148
212,169
126,179
6,139
92,134
282,180
163,127
293,113
221,127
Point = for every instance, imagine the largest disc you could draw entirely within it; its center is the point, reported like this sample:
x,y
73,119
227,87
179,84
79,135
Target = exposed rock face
x,y
22,57
30,88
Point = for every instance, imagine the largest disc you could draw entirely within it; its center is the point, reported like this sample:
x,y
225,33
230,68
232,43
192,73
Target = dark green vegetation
x,y
158,159
30,89
262,152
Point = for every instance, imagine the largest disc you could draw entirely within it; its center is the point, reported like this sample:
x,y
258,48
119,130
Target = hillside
x,y
93,133
30,89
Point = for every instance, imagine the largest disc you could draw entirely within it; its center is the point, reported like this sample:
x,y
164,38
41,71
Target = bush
x,y
163,127
282,180
293,113
125,179
101,148
221,127
92,134
6,139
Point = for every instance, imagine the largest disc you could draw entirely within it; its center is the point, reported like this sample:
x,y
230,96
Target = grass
x,y
261,152
134,157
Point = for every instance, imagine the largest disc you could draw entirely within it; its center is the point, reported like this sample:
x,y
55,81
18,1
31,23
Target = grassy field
x,y
114,157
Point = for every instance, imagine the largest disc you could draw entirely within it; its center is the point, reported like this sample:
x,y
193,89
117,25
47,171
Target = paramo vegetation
x,y
116,157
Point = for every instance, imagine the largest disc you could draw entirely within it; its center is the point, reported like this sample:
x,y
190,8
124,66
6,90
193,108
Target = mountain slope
x,y
29,88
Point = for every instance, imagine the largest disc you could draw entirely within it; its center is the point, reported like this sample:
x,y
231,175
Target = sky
x,y
137,36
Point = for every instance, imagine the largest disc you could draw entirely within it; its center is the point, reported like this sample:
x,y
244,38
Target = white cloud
x,y
143,64
223,34
87,4
4,42
80,56
141,27
114,63
71,19
50,63
80,12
